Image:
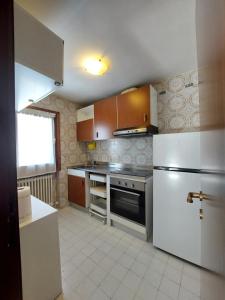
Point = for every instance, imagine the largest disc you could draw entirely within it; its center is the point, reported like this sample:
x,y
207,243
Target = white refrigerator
x,y
176,223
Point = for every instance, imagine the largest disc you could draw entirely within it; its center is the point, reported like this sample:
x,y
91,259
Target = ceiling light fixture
x,y
95,66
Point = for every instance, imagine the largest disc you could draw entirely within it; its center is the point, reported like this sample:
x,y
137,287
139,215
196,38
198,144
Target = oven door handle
x,y
124,191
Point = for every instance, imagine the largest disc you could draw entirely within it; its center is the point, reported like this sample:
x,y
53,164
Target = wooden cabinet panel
x,y
134,108
105,118
85,130
76,190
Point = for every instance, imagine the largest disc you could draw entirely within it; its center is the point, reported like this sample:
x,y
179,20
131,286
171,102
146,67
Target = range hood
x,y
132,132
38,59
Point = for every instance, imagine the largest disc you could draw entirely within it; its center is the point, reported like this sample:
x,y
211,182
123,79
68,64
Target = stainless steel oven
x,y
127,199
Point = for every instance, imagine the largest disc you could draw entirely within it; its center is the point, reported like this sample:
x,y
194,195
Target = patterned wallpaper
x,y
178,103
136,151
178,111
72,152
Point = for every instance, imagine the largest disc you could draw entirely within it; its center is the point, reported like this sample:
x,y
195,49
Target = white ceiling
x,y
145,40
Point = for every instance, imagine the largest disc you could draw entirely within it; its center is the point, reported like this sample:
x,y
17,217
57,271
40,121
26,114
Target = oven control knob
x,y
125,183
133,186
119,182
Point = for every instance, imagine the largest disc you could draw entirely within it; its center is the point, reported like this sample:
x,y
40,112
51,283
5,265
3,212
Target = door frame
x,y
10,276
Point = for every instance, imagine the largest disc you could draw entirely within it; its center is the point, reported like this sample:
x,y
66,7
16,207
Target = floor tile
x,y
109,285
153,278
86,289
97,256
132,251
88,250
97,275
139,268
186,295
162,296
158,266
131,280
104,263
97,242
191,284
173,274
146,291
78,259
126,260
169,288
144,258
76,278
123,293
192,271
87,266
162,256
105,247
107,264
99,295
176,263
115,253
118,271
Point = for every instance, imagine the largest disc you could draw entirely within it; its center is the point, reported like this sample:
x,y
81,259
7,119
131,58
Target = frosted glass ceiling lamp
x,y
95,66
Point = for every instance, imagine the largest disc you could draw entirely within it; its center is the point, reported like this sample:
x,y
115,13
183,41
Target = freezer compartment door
x,y
179,150
176,224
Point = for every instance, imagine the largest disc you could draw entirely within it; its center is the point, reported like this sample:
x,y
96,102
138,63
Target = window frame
x,y
57,134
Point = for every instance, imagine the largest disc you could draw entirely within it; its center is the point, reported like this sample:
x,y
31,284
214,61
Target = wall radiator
x,y
40,186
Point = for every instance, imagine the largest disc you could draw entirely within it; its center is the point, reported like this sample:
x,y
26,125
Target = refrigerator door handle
x,y
199,196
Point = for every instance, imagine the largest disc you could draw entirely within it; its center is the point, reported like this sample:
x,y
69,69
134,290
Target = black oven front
x,y
127,199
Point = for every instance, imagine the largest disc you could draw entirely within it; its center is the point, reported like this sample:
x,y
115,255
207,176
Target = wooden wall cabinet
x,y
105,118
76,190
85,130
85,124
134,108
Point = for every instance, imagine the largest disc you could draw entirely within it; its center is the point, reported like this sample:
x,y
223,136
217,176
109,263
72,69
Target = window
x,y
36,143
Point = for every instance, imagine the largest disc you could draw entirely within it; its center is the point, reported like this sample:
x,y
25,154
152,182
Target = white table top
x,y
39,210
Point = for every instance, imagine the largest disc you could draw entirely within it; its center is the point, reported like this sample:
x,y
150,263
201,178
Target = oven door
x,y
128,203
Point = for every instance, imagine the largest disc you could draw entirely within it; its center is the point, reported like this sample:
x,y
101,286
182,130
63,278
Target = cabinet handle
x,y
145,117
97,134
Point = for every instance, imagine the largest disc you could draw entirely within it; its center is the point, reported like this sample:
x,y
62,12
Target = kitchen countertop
x,y
39,210
112,169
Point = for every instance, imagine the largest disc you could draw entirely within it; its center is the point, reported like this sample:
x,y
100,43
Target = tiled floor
x,y
101,263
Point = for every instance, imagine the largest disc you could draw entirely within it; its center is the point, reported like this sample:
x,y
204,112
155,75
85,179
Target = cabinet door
x,y
76,190
85,130
134,108
105,118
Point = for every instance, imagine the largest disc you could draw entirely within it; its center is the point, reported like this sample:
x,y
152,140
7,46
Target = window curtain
x,y
35,143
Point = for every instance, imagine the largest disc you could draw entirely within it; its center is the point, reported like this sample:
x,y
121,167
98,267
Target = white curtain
x,y
35,143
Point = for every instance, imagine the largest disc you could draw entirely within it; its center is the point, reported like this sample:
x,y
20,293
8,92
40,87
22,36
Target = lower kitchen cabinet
x,y
76,190
40,253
